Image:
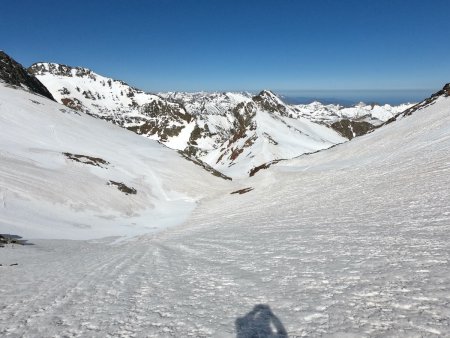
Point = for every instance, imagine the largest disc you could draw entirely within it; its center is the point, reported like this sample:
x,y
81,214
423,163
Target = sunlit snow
x,y
348,242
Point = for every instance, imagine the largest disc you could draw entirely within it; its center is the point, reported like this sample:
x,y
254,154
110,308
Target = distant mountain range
x,y
348,97
232,133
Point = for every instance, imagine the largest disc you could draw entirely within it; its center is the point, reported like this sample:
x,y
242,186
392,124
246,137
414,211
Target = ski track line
x,y
54,300
101,292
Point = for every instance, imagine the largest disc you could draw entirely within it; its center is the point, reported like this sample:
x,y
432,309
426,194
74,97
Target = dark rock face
x,y
351,129
14,74
94,161
263,166
123,188
268,101
12,239
162,116
447,88
444,91
242,191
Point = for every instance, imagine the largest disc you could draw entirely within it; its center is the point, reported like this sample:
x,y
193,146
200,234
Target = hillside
x,y
347,241
64,174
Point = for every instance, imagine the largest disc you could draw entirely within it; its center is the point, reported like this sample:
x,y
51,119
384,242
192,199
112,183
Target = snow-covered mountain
x,y
349,241
350,121
236,132
64,174
233,133
330,113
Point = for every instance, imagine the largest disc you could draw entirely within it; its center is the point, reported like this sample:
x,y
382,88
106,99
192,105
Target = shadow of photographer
x,y
261,322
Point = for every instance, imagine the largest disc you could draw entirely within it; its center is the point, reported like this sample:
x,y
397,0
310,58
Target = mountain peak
x,y
266,93
269,101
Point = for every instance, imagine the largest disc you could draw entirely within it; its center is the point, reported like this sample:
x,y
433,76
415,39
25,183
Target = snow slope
x,y
61,171
348,242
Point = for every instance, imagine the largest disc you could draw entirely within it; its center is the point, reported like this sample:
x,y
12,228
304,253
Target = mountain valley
x,y
336,219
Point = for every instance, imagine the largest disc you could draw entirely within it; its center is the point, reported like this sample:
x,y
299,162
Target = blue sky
x,y
238,45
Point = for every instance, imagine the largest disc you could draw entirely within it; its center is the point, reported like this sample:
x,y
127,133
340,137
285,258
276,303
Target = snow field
x,y
347,242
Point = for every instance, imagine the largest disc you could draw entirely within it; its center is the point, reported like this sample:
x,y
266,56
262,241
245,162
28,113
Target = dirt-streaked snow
x,y
348,242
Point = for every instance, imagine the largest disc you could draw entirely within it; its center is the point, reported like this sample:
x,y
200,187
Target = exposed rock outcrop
x,y
350,129
12,73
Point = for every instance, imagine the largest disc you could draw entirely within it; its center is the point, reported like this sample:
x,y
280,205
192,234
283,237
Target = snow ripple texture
x,y
349,242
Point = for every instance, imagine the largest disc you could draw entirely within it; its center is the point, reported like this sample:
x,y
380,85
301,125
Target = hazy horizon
x,y
350,97
343,97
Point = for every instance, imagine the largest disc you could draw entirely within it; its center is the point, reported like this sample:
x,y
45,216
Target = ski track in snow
x,y
349,242
339,264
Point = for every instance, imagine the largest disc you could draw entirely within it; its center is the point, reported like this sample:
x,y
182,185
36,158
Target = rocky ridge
x,y
12,73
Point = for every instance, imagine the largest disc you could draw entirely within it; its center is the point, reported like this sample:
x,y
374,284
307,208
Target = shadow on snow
x,y
261,322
